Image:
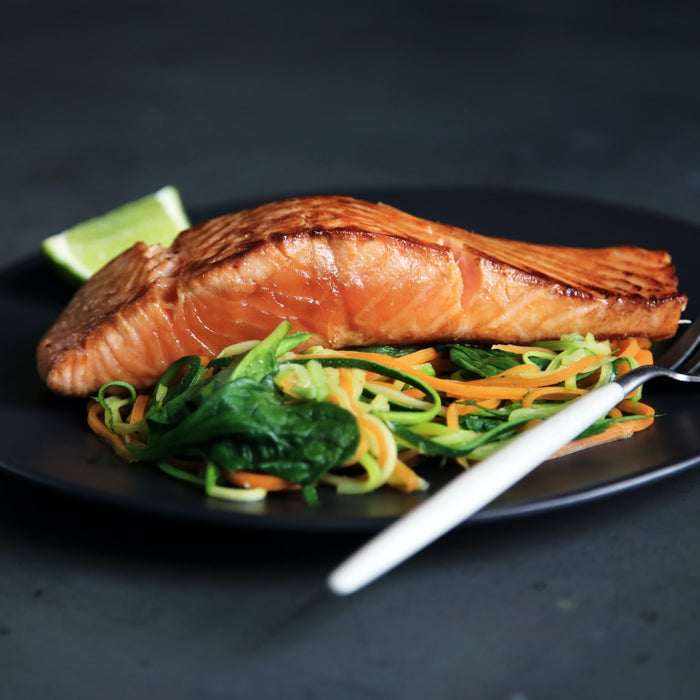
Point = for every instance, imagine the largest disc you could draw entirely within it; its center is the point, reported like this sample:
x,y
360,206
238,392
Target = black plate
x,y
45,439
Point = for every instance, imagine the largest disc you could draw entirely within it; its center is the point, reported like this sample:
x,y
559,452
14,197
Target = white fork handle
x,y
471,491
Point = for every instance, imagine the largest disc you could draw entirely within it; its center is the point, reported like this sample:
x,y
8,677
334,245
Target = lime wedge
x,y
82,250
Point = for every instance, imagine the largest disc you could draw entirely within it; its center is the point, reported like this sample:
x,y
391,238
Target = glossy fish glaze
x,y
352,273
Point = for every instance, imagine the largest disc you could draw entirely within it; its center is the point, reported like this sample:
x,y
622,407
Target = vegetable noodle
x,y
266,416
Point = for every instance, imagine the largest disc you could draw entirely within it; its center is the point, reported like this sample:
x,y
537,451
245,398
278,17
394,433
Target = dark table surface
x,y
105,102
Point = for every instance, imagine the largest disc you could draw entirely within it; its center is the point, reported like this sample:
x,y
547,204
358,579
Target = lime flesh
x,y
82,250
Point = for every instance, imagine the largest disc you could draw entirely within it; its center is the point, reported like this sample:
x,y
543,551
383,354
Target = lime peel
x,y
171,202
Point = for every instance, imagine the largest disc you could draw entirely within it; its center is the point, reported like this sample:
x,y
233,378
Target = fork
x,y
469,492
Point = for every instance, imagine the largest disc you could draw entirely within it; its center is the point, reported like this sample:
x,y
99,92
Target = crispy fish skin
x,y
350,272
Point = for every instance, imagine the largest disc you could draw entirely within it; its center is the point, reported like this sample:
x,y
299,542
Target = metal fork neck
x,y
630,381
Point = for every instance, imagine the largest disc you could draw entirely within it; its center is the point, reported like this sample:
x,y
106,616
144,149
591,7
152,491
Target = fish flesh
x,y
350,272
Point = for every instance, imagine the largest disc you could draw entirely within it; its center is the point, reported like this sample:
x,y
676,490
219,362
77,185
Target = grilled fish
x,y
351,273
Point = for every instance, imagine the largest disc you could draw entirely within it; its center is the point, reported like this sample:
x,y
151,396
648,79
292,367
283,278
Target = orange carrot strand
x,y
403,478
139,408
253,480
96,422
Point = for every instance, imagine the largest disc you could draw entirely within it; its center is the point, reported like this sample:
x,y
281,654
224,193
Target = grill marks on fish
x,y
351,273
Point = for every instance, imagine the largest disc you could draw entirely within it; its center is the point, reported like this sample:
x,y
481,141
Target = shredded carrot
x,y
623,368
477,392
452,416
524,376
450,387
485,403
617,431
644,357
380,441
614,432
636,348
139,408
403,478
640,409
419,357
455,409
374,437
410,456
253,480
510,384
628,347
96,422
346,384
552,393
522,349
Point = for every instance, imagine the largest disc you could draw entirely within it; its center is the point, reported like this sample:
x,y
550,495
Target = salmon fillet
x,y
350,272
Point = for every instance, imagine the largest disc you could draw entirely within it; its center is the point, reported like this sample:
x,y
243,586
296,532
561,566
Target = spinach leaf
x,y
310,439
245,423
486,419
480,423
486,363
483,363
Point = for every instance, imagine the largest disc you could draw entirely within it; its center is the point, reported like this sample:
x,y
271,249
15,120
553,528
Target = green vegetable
x,y
487,363
480,362
259,408
395,416
237,419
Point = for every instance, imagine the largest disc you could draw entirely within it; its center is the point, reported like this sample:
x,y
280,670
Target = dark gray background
x,y
105,102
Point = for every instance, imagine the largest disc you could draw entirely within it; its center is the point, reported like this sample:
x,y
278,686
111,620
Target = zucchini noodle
x,y
390,410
